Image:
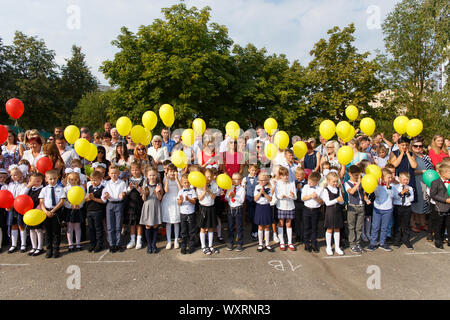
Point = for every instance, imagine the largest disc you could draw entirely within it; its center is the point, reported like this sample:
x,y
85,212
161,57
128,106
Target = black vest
x,y
92,206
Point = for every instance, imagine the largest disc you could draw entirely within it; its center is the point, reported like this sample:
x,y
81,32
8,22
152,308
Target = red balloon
x,y
307,173
15,108
6,199
23,203
44,164
3,134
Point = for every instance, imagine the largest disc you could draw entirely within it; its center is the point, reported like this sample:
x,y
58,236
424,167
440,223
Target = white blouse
x,y
284,189
159,155
28,155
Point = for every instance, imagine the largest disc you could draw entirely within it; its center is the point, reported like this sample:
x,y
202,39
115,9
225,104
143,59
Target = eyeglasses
x,y
418,146
141,149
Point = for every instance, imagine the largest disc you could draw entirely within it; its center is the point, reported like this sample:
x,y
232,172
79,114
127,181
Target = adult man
x,y
107,127
58,132
167,142
115,137
364,143
85,134
66,152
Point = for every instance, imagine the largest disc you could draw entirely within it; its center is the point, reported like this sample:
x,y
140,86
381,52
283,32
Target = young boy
x,y
186,200
290,164
300,182
311,195
403,197
95,208
235,197
52,199
355,211
3,177
249,183
114,192
441,207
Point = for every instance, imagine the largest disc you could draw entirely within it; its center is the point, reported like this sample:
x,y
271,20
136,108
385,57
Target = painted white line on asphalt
x,y
412,253
339,257
237,258
102,256
106,261
12,264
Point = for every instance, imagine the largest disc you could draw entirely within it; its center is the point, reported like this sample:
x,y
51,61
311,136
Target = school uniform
x,y
299,204
402,213
95,214
355,213
235,214
52,196
263,210
34,192
311,214
207,214
440,216
285,207
187,216
333,208
69,214
133,201
114,210
250,183
13,217
382,213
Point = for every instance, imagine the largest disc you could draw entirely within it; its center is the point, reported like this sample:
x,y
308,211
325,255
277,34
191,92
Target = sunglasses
x,y
141,149
418,146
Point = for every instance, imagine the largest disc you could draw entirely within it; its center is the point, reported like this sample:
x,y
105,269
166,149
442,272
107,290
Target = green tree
x,y
90,110
6,79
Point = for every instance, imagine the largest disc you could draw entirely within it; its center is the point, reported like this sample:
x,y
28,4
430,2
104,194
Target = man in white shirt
x,y
67,153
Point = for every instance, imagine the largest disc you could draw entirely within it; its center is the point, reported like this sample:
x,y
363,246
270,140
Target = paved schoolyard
x,y
133,274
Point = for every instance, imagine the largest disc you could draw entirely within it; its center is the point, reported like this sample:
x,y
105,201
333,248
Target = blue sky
x,y
282,26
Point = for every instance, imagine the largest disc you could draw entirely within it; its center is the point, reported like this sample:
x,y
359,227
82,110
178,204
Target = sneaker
x,y
31,252
372,247
356,249
169,245
183,250
275,238
239,248
329,251
339,251
131,244
229,246
206,251
176,245
260,249
213,250
138,245
385,247
409,245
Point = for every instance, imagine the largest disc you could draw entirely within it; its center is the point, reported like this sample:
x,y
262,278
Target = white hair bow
x,y
98,164
70,170
23,168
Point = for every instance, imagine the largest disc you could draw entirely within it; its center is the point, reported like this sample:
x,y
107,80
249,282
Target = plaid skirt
x,y
286,214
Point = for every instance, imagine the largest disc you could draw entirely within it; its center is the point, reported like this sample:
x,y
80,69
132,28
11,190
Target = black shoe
x,y
183,250
12,250
308,247
149,250
386,247
397,244
32,251
191,250
113,249
71,249
49,253
229,246
221,239
389,240
239,248
120,248
155,249
315,249
260,249
97,249
56,253
23,249
37,252
79,249
91,248
409,245
439,245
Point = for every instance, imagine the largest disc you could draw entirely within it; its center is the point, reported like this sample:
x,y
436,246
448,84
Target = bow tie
x,y
185,190
385,185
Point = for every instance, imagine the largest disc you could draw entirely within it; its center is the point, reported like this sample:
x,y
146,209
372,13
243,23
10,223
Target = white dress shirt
x,y
326,198
284,189
262,200
397,189
307,190
68,155
186,207
159,155
46,194
28,155
239,198
115,189
16,188
208,201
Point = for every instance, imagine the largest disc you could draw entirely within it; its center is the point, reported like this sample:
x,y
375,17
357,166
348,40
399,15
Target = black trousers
x,y
95,222
298,221
52,228
439,222
402,218
188,228
310,222
251,207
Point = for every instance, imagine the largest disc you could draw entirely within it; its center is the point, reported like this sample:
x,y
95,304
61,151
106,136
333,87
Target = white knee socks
x,y
280,235
34,238
176,230
77,228
336,240
40,236
23,238
169,232
289,235
328,239
267,234
210,238
69,233
1,237
14,236
260,237
203,239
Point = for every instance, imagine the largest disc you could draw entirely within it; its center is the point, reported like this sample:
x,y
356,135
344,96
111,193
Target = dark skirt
x,y
333,217
14,218
220,207
207,217
133,208
263,214
72,215
3,215
286,214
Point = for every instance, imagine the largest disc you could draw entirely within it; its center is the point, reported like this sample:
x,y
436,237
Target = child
x,y
133,204
382,211
273,203
3,177
52,200
151,209
207,216
219,206
382,157
186,200
114,192
403,197
355,209
72,214
311,195
17,187
236,198
95,208
36,235
249,183
263,211
76,166
332,197
441,207
170,209
286,194
300,182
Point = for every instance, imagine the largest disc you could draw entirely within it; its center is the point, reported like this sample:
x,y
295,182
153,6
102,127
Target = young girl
x,y
170,209
207,216
3,177
133,205
72,214
151,209
36,232
76,166
332,197
263,212
382,157
273,182
286,194
15,220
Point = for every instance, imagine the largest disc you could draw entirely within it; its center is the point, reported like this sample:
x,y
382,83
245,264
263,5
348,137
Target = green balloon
x,y
448,190
429,176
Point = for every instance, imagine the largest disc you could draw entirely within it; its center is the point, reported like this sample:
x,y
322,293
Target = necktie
x,y
53,197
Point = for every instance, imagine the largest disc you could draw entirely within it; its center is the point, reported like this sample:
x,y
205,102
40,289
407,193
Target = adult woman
x,y
312,158
51,151
122,160
12,152
358,155
159,154
404,161
207,156
232,160
130,145
331,156
101,157
421,207
35,152
241,148
438,150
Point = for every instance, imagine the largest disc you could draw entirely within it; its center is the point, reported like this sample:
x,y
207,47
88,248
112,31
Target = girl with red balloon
x,y
3,177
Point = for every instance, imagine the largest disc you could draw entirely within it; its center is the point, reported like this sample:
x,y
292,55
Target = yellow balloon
x,y
123,125
327,129
369,183
343,129
149,120
188,137
270,151
300,149
400,124
197,179
34,217
148,137
138,134
92,155
199,126
367,126
351,112
82,147
224,181
345,155
270,125
350,135
232,129
75,195
71,133
167,115
374,170
281,140
414,127
179,159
